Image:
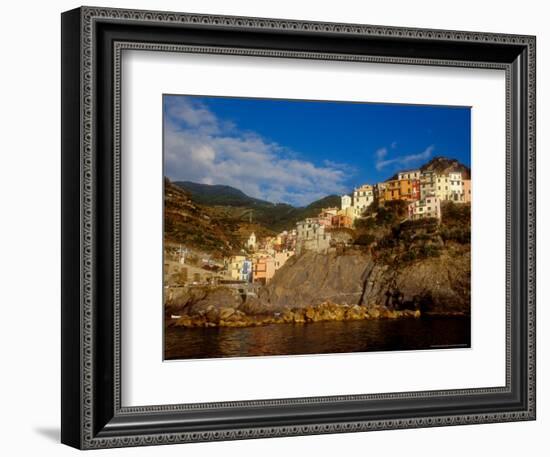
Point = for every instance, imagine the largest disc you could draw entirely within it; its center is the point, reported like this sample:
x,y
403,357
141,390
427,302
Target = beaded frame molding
x,y
92,43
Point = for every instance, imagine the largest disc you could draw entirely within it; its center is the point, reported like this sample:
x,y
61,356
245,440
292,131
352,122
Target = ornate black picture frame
x,y
92,42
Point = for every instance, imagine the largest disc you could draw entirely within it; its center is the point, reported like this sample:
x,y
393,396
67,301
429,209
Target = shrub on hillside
x,y
371,209
409,256
455,214
392,212
368,223
365,239
458,234
429,250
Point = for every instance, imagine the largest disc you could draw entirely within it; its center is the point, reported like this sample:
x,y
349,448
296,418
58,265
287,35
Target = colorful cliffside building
x,y
427,184
251,242
326,215
409,189
392,191
425,208
311,236
363,196
456,187
234,266
263,269
342,221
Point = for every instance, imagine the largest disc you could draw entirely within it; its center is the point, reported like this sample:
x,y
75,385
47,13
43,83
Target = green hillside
x,y
204,228
232,203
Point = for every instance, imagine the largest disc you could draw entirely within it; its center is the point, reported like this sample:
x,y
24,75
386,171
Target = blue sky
x,y
299,151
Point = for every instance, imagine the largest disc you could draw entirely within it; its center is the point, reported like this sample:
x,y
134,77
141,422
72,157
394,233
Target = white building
x,y
411,174
311,236
346,202
354,207
456,187
428,184
251,242
363,196
423,208
442,186
448,187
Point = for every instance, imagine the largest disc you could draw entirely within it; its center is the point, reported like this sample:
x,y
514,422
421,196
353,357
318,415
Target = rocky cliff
x,y
344,286
434,284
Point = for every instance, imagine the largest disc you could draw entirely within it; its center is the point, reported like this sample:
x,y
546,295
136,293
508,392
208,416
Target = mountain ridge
x,y
235,204
218,194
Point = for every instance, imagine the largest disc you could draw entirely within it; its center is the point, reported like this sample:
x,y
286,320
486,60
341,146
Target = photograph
x,y
314,227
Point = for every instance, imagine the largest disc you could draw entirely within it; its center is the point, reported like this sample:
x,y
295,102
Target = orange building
x,y
409,189
401,189
263,269
342,220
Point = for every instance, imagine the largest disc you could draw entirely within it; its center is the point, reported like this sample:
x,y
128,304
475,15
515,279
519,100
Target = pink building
x,y
326,215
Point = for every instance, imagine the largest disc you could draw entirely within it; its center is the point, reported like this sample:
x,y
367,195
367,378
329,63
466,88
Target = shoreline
x,y
230,317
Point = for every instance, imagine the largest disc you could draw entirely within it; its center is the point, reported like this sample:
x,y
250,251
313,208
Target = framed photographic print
x,y
275,228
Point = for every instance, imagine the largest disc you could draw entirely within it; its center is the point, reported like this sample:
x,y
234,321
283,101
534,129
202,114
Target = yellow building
x,y
442,190
392,190
379,191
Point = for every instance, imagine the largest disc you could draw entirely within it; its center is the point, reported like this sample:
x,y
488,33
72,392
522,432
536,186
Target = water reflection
x,y
318,338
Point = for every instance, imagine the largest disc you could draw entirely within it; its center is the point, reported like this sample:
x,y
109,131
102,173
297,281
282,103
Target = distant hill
x,y
217,194
446,165
232,203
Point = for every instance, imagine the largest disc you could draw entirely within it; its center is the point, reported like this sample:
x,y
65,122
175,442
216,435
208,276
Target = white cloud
x,y
200,147
381,153
407,160
346,167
